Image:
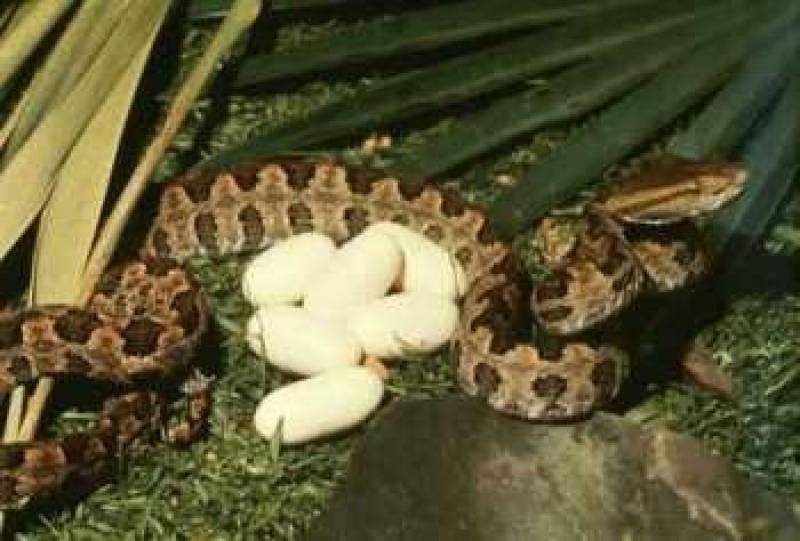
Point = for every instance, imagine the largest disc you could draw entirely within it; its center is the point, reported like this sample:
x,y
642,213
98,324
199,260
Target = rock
x,y
451,468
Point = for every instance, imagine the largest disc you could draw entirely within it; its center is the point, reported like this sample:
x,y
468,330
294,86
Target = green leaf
x,y
567,96
415,31
722,124
468,76
772,159
625,126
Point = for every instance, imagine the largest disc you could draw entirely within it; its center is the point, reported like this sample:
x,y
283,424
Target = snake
x,y
147,316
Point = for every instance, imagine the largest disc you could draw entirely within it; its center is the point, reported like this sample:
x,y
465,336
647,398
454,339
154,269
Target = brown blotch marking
x,y
298,173
198,188
464,256
300,217
452,203
553,288
109,282
10,331
76,364
624,282
487,378
141,337
206,226
76,325
8,487
185,303
20,368
410,190
435,232
498,317
11,456
75,447
157,266
555,314
160,242
485,234
357,219
246,178
549,387
604,377
401,218
596,227
360,181
253,227
613,262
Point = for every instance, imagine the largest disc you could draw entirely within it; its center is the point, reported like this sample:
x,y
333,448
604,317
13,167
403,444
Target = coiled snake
x,y
146,317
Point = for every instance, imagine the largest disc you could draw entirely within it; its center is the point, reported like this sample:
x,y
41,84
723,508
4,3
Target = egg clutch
x,y
320,311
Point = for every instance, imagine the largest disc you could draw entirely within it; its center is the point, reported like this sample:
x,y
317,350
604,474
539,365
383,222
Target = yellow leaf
x,y
28,179
86,33
23,37
68,224
241,15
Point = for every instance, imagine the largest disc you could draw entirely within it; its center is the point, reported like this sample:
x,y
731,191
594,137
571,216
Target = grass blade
x,y
468,76
415,31
23,37
623,127
27,180
568,95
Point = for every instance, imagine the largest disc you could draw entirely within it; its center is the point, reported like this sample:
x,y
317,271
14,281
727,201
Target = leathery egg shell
x,y
319,406
362,270
296,341
427,266
281,274
410,322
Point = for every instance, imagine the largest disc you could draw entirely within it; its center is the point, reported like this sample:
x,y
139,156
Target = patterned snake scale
x,y
147,316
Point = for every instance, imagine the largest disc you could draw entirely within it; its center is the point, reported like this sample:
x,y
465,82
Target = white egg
x,y
362,270
319,406
427,266
281,274
296,341
411,322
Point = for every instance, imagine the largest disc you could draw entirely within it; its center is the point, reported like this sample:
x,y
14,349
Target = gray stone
x,y
451,468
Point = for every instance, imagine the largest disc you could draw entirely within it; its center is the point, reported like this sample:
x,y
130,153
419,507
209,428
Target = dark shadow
x,y
666,324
